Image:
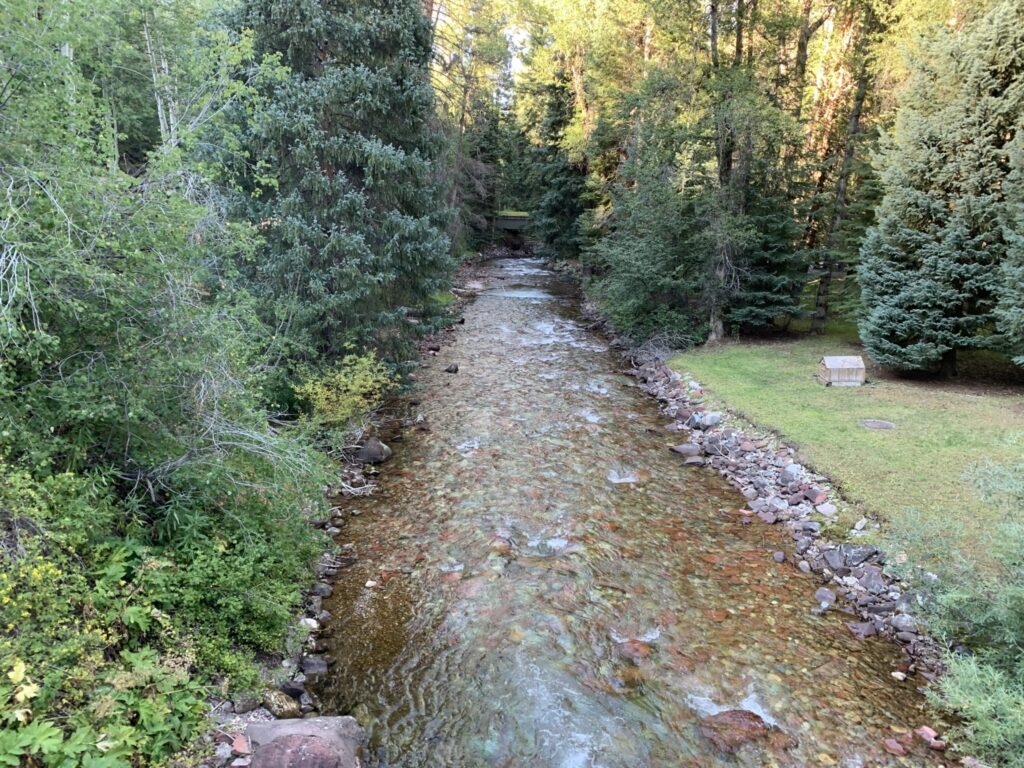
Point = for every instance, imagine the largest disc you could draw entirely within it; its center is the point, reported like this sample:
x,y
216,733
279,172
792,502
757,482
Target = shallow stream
x,y
550,586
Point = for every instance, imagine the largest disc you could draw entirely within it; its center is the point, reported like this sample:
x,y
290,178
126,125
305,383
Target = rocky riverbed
x,y
554,572
779,491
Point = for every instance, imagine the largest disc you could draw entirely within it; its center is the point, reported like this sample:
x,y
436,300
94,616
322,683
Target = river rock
x,y
731,729
862,629
373,451
244,703
315,742
293,687
855,554
453,368
815,495
314,665
901,622
687,449
872,580
790,473
825,596
281,705
834,559
322,589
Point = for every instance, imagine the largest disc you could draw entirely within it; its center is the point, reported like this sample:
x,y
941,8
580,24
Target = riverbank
x,y
780,491
918,479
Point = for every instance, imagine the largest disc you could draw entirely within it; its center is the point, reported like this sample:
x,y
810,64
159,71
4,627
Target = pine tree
x,y
560,179
353,215
931,266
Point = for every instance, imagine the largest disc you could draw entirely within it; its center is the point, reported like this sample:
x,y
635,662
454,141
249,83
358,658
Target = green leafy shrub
x,y
352,387
980,606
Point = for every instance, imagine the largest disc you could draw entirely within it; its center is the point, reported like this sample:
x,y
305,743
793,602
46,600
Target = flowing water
x,y
542,583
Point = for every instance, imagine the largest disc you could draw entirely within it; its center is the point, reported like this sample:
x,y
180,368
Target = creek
x,y
541,582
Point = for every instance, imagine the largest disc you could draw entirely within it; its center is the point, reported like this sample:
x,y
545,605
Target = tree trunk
x,y
821,304
738,54
947,367
713,17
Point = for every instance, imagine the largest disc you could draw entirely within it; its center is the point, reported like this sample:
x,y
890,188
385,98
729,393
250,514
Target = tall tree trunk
x,y
821,303
738,53
713,22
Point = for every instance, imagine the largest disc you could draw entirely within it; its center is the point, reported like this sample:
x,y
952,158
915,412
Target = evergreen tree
x,y
931,267
560,179
352,214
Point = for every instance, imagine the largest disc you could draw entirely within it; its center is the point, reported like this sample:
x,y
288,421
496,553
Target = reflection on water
x,y
555,589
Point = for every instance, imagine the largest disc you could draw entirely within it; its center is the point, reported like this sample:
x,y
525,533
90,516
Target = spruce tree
x,y
560,180
931,267
352,213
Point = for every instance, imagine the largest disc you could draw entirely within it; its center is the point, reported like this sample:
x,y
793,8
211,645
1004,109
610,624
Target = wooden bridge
x,y
510,221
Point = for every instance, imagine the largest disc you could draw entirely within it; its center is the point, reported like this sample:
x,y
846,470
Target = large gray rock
x,y
855,554
373,451
790,473
315,742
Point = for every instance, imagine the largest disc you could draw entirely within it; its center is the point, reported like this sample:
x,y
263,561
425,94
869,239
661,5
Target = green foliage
x,y
930,271
346,193
351,388
559,179
982,606
153,512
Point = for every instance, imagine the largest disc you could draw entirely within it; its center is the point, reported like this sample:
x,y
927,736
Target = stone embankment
x,y
780,491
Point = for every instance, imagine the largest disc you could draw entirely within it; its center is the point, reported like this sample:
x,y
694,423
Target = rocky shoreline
x,y
780,491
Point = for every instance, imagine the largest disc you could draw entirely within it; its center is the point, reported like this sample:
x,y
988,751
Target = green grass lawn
x,y
916,478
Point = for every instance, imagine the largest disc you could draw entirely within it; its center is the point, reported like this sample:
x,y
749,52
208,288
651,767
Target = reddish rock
x,y
319,742
893,747
731,729
296,752
635,650
746,446
930,737
816,495
240,745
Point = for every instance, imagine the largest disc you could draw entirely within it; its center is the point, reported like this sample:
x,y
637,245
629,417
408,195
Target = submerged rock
x,y
373,451
733,728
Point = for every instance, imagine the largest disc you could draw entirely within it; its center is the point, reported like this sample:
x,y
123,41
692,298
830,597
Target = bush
x,y
978,607
351,388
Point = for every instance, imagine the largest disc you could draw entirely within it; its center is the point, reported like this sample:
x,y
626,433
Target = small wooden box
x,y
842,371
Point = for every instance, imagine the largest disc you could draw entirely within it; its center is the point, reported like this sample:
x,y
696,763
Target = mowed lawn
x,y
916,479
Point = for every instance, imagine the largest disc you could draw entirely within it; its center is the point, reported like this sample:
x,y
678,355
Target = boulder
x,y
315,742
373,451
901,622
872,580
314,665
855,554
281,705
790,473
733,728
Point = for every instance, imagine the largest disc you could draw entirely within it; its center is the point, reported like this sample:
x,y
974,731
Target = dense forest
x,y
224,226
